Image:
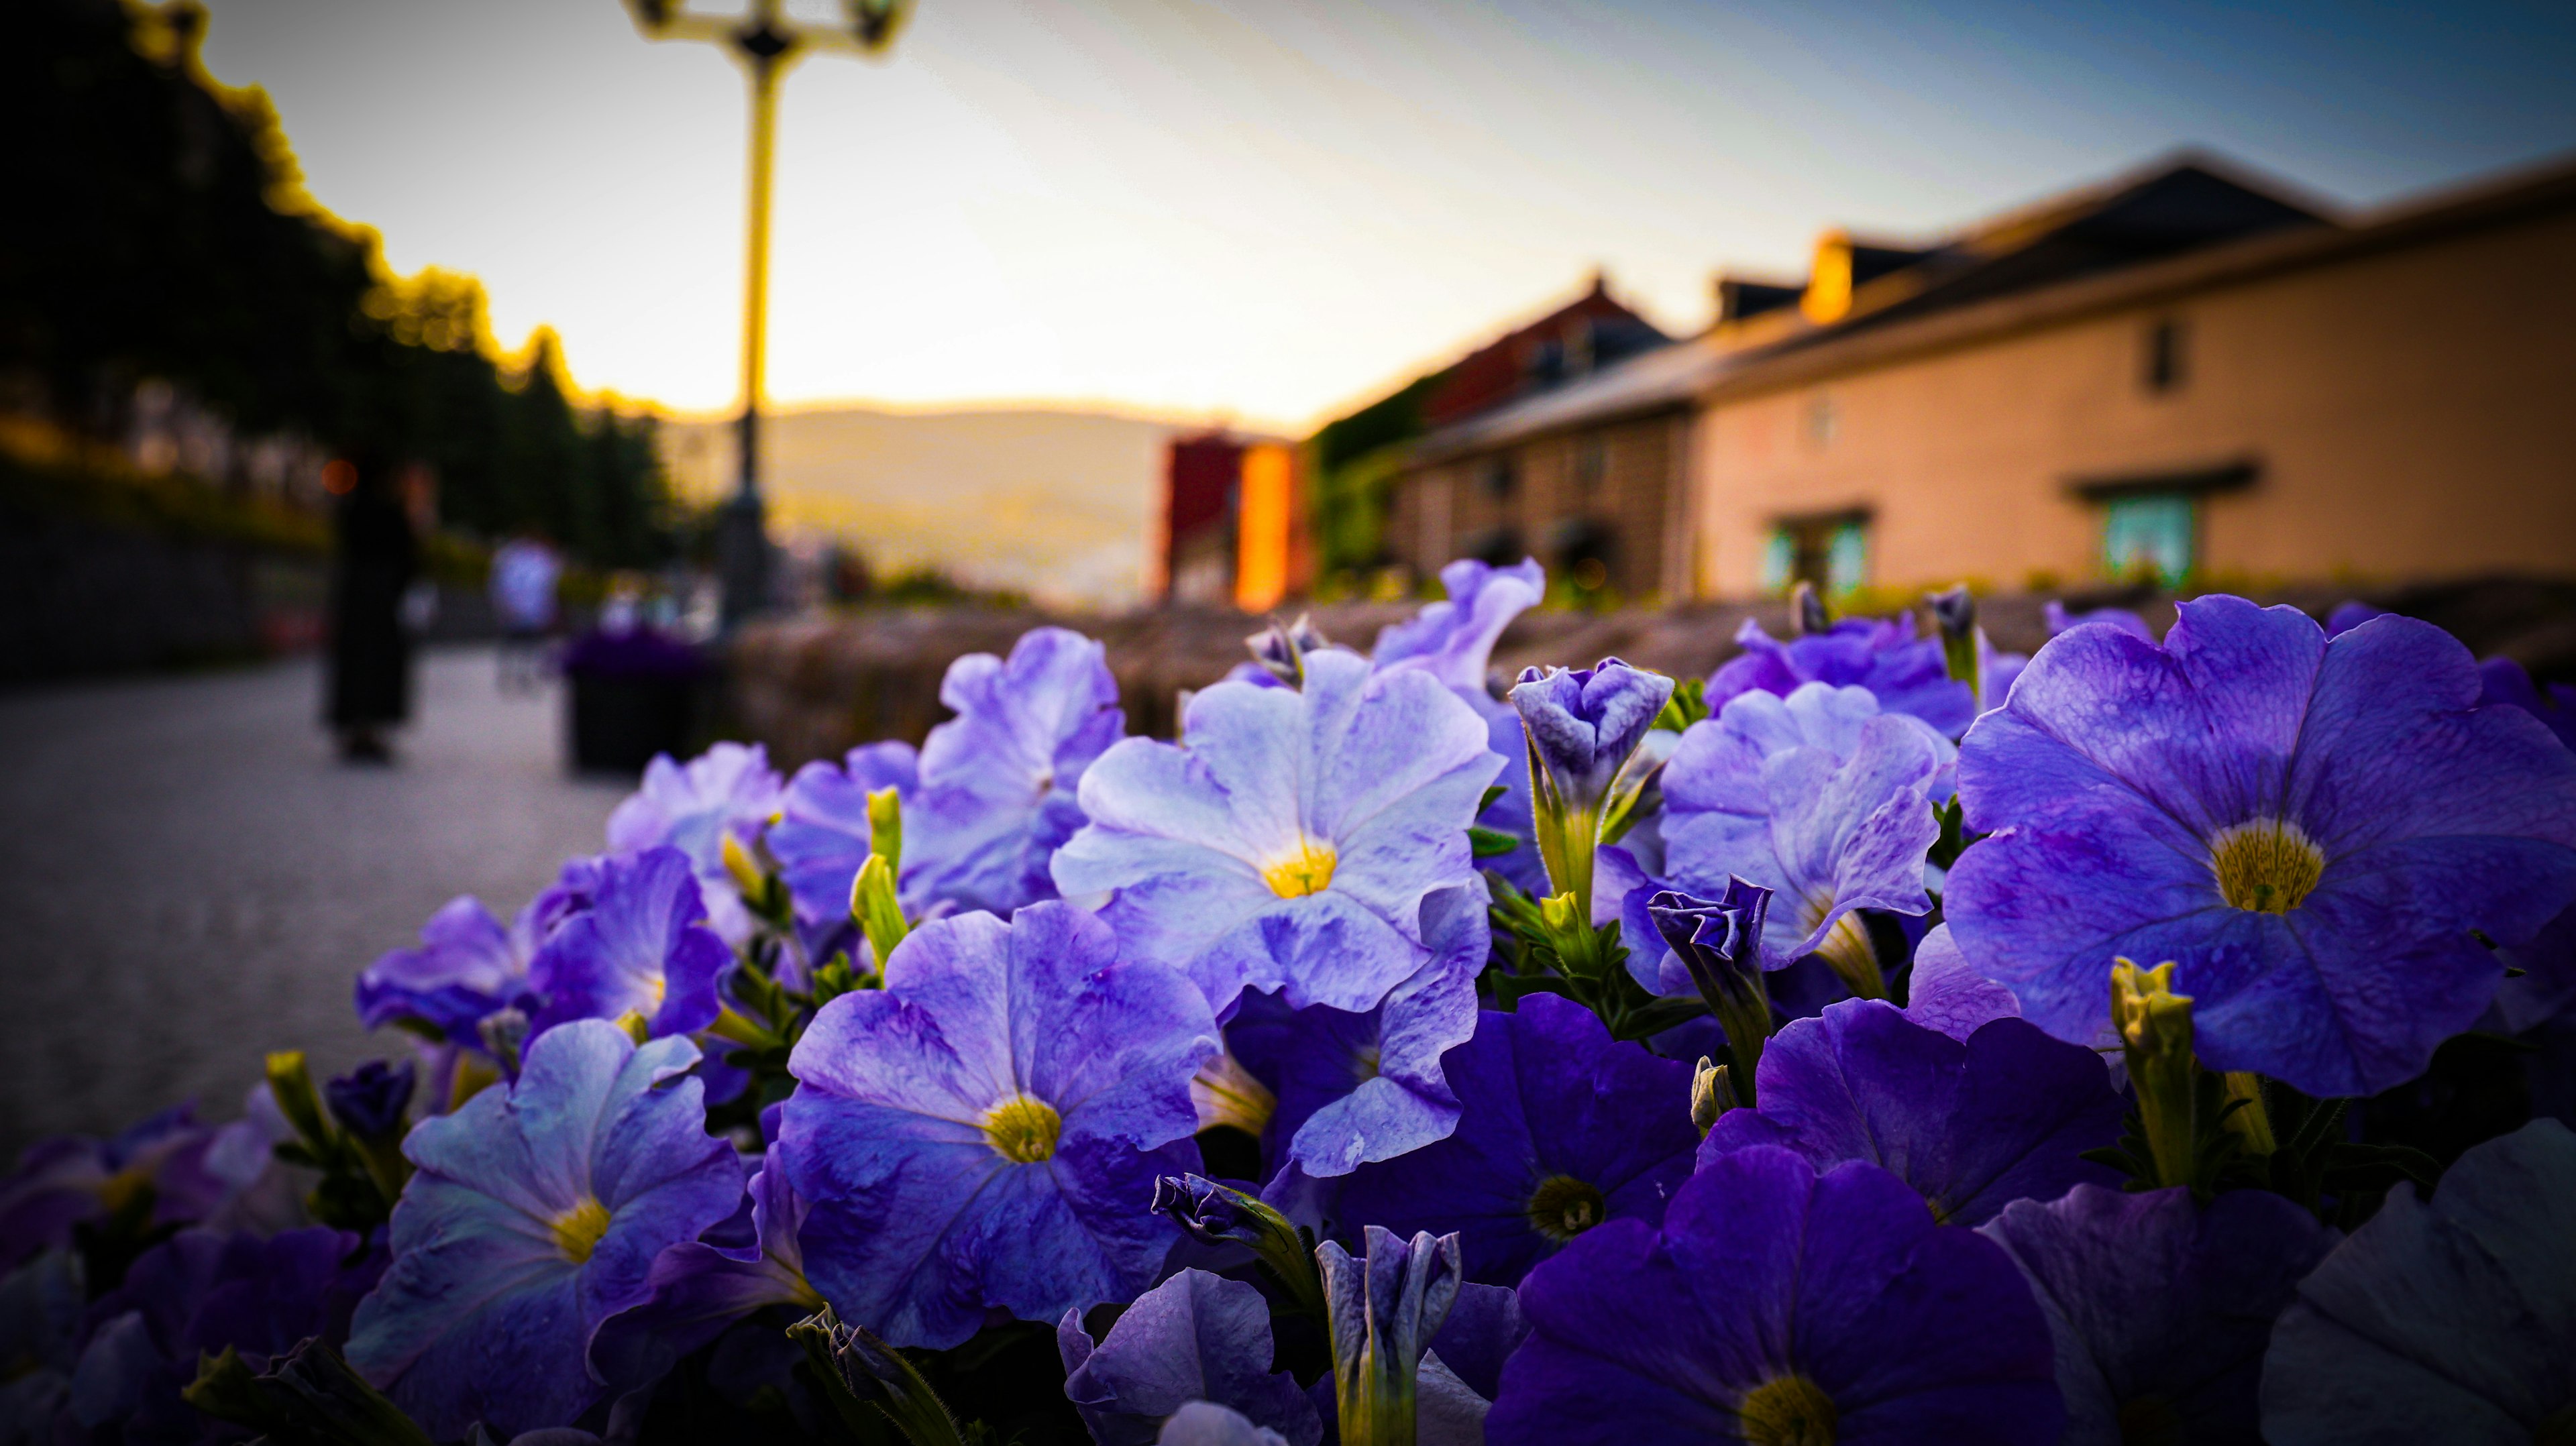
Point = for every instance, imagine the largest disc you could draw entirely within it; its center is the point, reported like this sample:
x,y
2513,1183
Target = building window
x,y
1830,553
1824,419
1499,478
2151,533
2166,363
1591,465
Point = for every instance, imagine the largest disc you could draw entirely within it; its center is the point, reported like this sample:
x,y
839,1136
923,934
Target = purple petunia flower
x,y
468,965
1972,1126
1905,673
2502,680
536,1212
1778,1304
199,1293
1561,1128
2309,829
2160,1309
1354,1087
1000,781
2350,615
1195,1337
641,948
64,1180
1289,843
1819,797
986,1129
729,789
821,837
700,1287
2452,1322
1454,641
1945,992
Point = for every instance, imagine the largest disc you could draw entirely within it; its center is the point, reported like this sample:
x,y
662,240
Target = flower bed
x,y
1881,1038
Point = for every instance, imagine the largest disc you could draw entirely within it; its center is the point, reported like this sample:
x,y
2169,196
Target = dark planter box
x,y
632,696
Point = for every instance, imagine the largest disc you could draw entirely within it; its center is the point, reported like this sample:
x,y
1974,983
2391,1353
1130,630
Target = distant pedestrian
x,y
377,554
525,573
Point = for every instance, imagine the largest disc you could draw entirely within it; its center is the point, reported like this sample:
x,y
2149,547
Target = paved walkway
x,y
188,878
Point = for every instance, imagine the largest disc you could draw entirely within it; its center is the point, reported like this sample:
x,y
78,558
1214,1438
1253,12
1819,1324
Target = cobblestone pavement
x,y
189,879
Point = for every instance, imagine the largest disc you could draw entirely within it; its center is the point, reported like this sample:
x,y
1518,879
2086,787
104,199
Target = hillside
x,y
1054,504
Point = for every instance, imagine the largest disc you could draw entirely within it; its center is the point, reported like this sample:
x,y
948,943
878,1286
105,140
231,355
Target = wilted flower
x,y
2453,1321
1537,1158
1819,797
1905,673
2160,1308
999,781
536,1212
2308,829
985,1130
1385,1308
1780,1305
1290,841
727,790
1195,1337
642,948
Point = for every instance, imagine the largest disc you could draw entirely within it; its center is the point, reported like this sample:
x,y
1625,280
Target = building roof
x,y
1669,376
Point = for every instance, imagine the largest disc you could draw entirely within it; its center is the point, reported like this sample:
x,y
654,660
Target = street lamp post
x,y
765,41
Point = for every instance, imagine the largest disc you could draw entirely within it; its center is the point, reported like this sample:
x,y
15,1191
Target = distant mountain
x,y
1058,505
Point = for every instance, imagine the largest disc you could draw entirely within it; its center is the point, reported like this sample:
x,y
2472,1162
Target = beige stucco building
x,y
2185,372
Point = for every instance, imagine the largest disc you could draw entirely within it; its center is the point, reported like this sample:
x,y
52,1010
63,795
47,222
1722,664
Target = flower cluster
x,y
1884,1039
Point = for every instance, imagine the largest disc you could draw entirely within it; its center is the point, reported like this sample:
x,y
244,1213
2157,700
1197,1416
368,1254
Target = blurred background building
x,y
2190,373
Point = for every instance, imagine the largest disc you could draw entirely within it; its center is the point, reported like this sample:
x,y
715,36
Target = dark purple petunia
x,y
371,1102
2060,620
64,1180
2161,1310
700,1287
1972,1127
1904,672
643,948
1781,1305
2309,829
1561,1128
2502,680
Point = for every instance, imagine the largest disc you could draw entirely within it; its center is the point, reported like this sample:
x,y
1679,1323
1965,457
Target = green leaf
x,y
1487,843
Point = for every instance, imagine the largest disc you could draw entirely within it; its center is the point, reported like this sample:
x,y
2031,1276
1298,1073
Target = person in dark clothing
x,y
377,553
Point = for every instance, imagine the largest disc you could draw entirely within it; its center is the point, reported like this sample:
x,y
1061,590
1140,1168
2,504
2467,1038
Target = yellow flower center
x,y
1563,1207
1307,871
578,1230
1023,1130
2266,866
1787,1411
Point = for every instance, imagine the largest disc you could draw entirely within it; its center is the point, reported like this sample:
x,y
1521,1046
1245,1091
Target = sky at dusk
x,y
1272,209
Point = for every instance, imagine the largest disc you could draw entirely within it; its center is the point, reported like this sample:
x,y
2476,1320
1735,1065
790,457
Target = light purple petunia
x,y
999,782
537,1211
821,837
1355,1087
1195,1337
1819,797
1780,1304
1289,842
984,1132
2060,620
730,788
1454,642
2309,829
1971,1126
1904,672
2160,1308
468,965
642,947
1945,992
699,1287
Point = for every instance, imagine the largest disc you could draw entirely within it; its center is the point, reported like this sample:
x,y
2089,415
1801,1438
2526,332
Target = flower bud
x,y
1581,726
862,1377
1807,615
885,828
873,907
371,1103
1383,1312
1281,648
1956,613
2156,1035
1720,942
1712,1094
1214,1214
